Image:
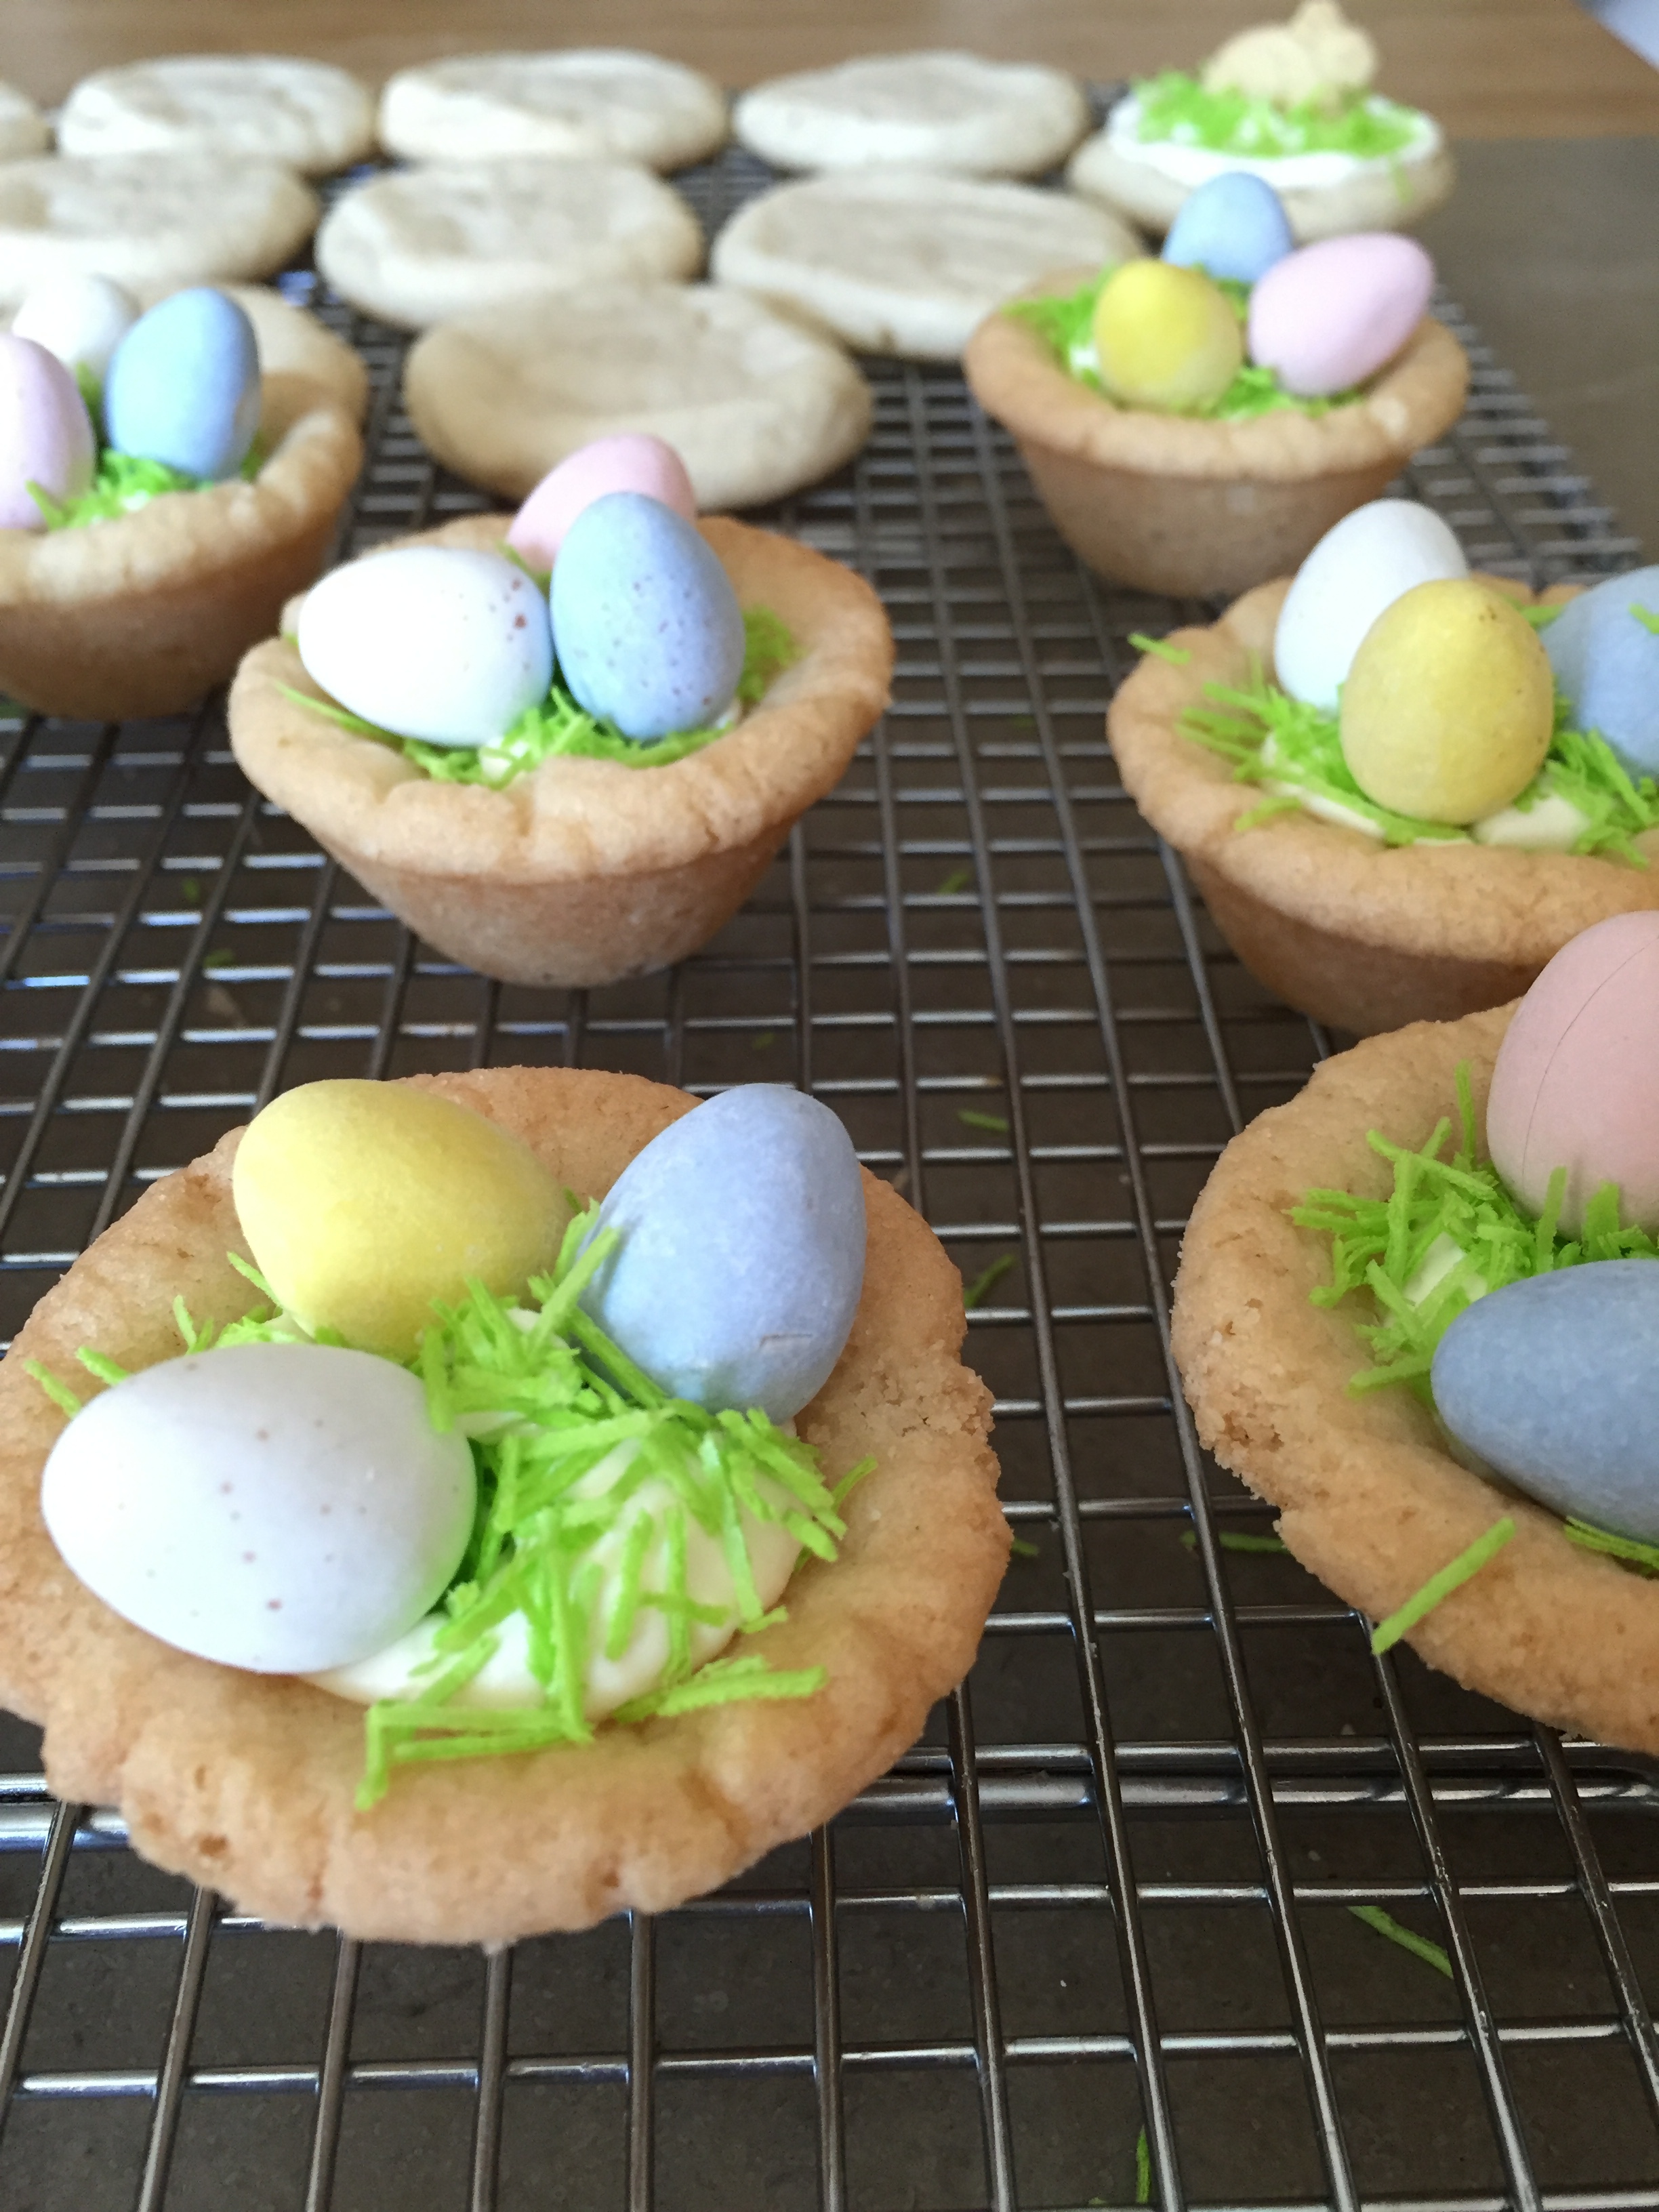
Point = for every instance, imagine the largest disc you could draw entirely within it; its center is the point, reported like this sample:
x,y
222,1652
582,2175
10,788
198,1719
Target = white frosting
x,y
1433,1269
1552,825
1196,165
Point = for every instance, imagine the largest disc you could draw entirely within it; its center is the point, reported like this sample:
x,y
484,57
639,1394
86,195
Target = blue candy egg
x,y
1553,1383
1606,659
647,628
742,1255
1233,225
183,386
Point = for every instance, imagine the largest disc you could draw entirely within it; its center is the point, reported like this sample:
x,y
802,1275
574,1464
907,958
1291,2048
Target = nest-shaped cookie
x,y
1373,1502
143,614
1174,503
246,1782
580,870
1339,926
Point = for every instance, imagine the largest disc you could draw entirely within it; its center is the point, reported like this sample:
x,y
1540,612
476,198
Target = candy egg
x,y
1234,225
1370,558
1604,648
45,433
80,319
363,1202
1575,1085
1450,705
281,1507
742,1255
631,461
1552,1383
647,628
1330,315
183,386
1165,337
439,642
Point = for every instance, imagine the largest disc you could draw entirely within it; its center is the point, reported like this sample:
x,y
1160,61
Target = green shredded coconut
x,y
1439,1587
1646,617
1420,1947
1177,655
1270,737
1143,2169
975,1294
125,483
957,880
1022,1550
1642,1559
971,1119
1235,1539
1541,613
558,727
1176,107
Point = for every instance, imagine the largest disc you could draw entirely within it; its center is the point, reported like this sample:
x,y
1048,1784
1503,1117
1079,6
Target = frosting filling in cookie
x,y
1172,123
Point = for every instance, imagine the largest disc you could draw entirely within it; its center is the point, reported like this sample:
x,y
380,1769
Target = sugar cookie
x,y
593,102
947,110
754,404
293,342
261,106
908,261
23,129
419,245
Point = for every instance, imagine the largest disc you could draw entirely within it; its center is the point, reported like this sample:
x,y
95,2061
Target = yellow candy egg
x,y
1165,337
363,1202
1448,709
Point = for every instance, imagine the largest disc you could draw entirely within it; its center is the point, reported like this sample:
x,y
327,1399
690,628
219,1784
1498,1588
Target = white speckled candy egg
x,y
1370,558
45,433
645,624
1330,315
631,461
280,1507
1577,1081
439,642
80,319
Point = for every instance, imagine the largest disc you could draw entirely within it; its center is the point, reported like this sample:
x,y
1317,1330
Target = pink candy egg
x,y
631,461
45,433
1576,1082
1329,316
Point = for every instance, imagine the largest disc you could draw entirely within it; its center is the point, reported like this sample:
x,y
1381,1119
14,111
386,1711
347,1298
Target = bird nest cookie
x,y
584,871
1372,1502
1358,935
143,614
1175,503
246,1782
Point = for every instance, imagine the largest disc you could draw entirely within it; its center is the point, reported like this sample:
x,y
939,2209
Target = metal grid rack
x,y
1112,1894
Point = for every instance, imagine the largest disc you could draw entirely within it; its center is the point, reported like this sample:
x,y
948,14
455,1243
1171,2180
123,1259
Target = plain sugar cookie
x,y
755,405
910,261
262,106
420,245
942,111
153,221
591,101
23,129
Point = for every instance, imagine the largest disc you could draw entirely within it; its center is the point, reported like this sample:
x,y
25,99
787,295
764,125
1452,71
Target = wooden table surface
x,y
1488,69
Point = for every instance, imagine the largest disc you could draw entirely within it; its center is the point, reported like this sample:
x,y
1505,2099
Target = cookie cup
x,y
1372,1502
1169,503
143,614
246,1782
1359,936
582,872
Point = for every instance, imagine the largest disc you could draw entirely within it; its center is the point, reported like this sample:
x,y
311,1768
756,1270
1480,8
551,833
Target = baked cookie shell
x,y
1169,503
1372,1503
1359,936
585,871
246,1782
143,614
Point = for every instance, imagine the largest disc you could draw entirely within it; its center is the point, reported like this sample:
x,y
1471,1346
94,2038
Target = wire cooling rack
x,y
1118,1928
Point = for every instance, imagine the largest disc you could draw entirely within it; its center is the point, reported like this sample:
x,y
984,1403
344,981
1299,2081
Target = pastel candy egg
x,y
1552,1382
363,1202
1233,225
1165,337
281,1507
1370,558
647,628
742,1255
631,461
1328,316
45,433
80,319
1605,658
440,642
1448,707
183,386
1575,1085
